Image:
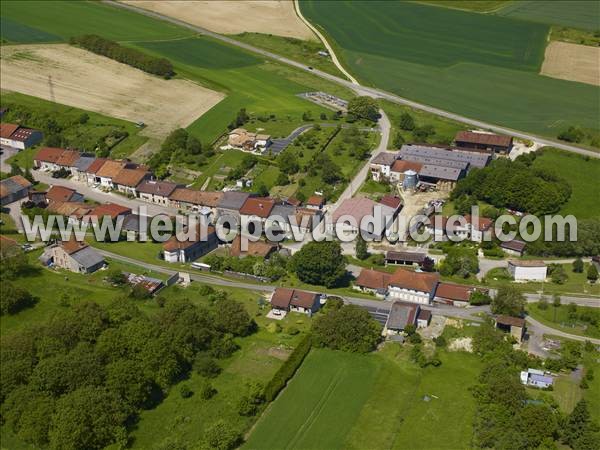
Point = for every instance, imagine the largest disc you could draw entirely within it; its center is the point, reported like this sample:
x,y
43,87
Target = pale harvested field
x,y
88,81
572,62
234,17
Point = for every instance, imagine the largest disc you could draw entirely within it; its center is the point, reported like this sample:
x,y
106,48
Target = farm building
x,y
381,165
135,224
156,191
478,227
92,170
513,325
63,194
391,201
75,211
360,208
294,300
413,287
373,281
514,247
400,168
16,136
482,141
424,318
453,294
401,315
443,156
527,270
75,256
190,249
13,189
536,378
149,284
405,258
38,198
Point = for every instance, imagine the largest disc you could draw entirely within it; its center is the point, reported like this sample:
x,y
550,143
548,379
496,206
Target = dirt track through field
x,y
233,17
78,78
572,62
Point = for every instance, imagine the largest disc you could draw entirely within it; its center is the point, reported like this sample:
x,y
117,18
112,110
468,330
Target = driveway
x,y
7,152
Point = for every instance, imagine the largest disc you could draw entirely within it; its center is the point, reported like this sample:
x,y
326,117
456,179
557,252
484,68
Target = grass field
x,y
572,13
84,137
479,65
559,318
470,5
340,400
582,174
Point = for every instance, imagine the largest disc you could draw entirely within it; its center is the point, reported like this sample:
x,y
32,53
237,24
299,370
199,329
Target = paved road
x,y
540,329
378,93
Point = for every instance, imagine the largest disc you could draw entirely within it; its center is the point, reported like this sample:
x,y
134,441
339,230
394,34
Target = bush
x,y
185,391
208,391
206,366
480,298
288,369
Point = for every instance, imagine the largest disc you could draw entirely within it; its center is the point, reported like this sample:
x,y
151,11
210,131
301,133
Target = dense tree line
x,y
460,261
586,244
274,268
181,147
364,108
125,55
80,379
515,185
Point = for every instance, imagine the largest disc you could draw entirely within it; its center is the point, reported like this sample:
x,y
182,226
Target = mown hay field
x,y
479,65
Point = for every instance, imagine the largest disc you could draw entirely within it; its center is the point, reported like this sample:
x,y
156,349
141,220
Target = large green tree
x,y
509,301
364,107
320,263
349,328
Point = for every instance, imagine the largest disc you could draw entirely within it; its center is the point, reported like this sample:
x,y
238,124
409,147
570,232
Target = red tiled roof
x,y
483,138
257,206
68,158
391,200
284,297
418,281
49,154
7,129
424,314
509,320
402,166
515,245
110,209
60,194
21,181
203,198
373,279
315,200
72,246
258,248
484,222
75,209
130,177
96,165
456,292
110,169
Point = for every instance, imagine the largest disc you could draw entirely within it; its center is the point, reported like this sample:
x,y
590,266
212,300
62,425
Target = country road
x,y
363,90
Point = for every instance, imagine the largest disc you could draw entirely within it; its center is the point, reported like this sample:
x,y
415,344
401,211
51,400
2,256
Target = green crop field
x,y
479,65
340,400
471,5
583,174
571,13
64,19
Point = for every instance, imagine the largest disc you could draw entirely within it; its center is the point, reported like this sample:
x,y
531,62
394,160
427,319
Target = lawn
x,y
559,318
479,65
83,136
571,13
583,174
341,400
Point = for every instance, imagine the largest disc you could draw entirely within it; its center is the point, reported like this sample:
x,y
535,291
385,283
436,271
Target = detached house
x,y
413,287
155,191
287,300
527,270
